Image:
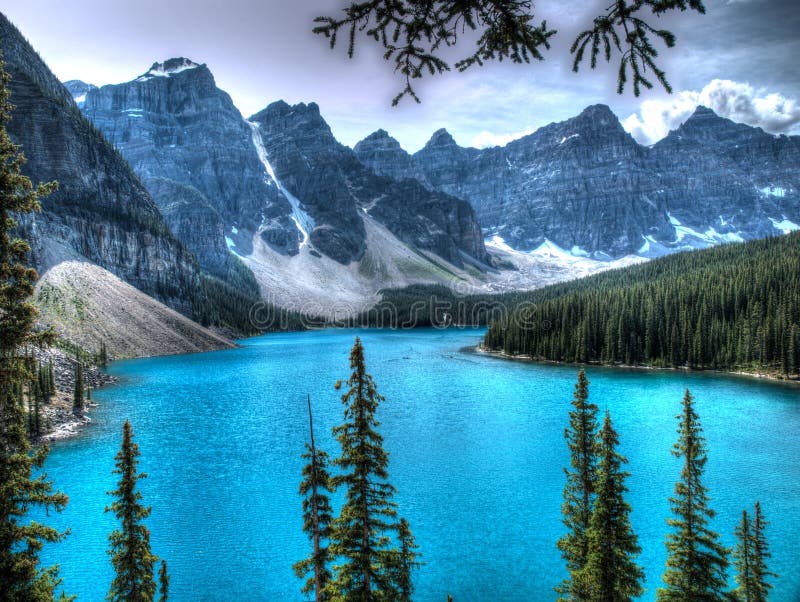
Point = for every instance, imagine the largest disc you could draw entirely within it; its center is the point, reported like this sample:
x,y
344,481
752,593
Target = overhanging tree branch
x,y
413,33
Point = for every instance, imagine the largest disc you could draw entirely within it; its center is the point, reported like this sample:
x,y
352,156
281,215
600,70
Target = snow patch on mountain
x,y
784,225
167,68
547,264
693,239
315,284
776,191
304,222
713,236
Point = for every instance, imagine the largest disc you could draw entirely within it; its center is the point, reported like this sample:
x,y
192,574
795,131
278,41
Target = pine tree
x,y
406,561
317,516
22,579
36,412
103,354
42,381
579,490
360,535
130,546
611,573
760,556
163,582
52,378
78,405
696,562
743,561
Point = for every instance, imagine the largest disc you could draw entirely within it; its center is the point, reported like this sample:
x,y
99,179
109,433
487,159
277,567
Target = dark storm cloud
x,y
754,41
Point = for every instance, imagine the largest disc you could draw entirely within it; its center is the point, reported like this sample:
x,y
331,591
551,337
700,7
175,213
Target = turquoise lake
x,y
476,454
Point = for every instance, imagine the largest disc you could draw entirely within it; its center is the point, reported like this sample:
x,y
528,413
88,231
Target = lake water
x,y
476,453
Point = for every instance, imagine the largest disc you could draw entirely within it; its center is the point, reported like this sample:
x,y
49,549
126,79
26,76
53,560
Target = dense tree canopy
x,y
414,35
730,307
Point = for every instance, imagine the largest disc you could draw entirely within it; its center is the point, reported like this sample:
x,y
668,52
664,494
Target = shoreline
x,y
65,425
62,423
480,350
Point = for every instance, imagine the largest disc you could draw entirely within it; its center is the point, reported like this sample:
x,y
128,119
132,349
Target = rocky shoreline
x,y
61,422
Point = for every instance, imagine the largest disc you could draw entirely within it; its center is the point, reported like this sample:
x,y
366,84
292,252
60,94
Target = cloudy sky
x,y
740,59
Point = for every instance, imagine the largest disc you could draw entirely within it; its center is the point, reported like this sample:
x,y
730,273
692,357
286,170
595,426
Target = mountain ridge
x,y
585,183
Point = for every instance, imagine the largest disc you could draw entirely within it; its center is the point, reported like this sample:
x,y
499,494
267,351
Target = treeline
x,y
238,309
730,307
422,305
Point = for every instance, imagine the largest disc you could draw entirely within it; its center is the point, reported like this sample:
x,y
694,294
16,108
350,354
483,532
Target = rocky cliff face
x,y
586,185
281,175
720,178
78,90
173,123
101,211
385,156
335,189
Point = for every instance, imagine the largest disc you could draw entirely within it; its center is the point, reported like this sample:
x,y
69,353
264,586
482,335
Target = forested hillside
x,y
730,307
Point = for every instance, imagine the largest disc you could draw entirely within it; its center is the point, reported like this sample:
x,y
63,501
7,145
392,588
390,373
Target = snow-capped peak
x,y
167,68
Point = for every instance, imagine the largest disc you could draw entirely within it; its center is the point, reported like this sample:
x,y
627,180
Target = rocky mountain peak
x,y
304,120
702,117
380,136
441,138
705,125
169,68
379,140
79,89
384,155
596,118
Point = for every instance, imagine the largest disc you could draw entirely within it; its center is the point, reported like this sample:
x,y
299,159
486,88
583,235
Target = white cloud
x,y
487,139
739,102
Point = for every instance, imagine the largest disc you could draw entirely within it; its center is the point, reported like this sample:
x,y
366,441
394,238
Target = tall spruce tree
x,y
51,378
317,516
579,490
696,561
78,405
163,582
37,399
743,561
21,576
760,556
611,573
406,561
361,534
130,545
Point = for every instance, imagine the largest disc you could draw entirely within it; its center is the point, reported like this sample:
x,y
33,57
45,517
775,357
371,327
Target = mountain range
x,y
164,184
586,185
